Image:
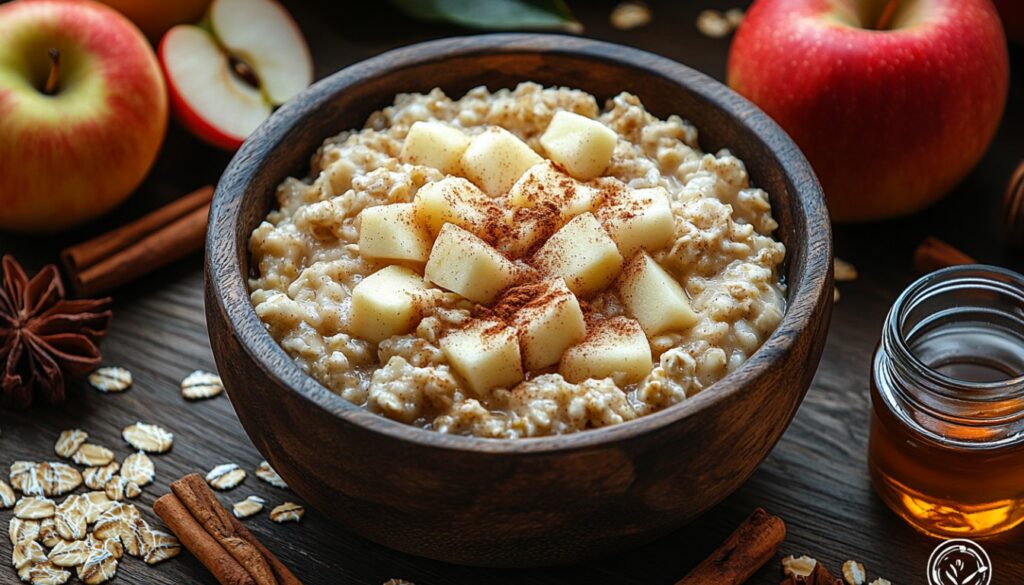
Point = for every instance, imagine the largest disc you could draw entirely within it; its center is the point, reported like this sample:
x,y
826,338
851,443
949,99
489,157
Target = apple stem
x,y
885,18
51,81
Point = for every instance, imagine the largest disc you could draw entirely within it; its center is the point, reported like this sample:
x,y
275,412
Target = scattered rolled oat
x,y
119,488
139,469
248,507
124,522
111,379
712,23
7,496
96,503
69,441
835,295
27,552
70,553
268,474
798,566
45,573
99,567
159,546
844,271
881,581
96,478
34,508
148,438
630,15
91,455
200,385
44,479
20,530
48,534
71,519
287,512
853,573
225,477
734,16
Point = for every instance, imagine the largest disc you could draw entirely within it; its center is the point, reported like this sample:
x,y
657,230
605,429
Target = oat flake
x,y
248,507
96,503
159,546
225,477
44,479
27,552
34,508
45,573
148,438
7,496
119,488
111,379
268,474
97,477
287,512
70,553
138,468
99,567
69,441
119,522
21,530
200,385
71,519
48,534
91,455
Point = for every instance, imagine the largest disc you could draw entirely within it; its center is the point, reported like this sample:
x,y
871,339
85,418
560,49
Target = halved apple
x,y
226,79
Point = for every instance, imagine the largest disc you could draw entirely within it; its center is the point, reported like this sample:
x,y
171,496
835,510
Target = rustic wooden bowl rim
x,y
232,292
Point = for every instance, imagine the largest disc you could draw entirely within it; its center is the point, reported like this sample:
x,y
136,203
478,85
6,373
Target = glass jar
x,y
947,392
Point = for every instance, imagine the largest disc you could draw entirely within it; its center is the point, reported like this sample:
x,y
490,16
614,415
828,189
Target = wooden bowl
x,y
523,502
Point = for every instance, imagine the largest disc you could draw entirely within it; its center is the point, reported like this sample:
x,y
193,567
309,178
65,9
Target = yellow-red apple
x,y
83,110
226,78
892,101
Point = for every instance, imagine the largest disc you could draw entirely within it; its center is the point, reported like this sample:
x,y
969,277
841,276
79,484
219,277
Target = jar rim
x,y
1006,281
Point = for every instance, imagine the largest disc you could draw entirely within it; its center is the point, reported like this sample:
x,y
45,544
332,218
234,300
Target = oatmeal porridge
x,y
518,263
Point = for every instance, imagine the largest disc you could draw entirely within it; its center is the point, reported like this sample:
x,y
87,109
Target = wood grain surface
x,y
815,478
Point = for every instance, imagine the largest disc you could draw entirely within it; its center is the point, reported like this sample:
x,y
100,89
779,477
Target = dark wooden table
x,y
816,478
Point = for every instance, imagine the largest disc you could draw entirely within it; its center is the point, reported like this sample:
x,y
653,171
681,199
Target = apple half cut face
x,y
225,80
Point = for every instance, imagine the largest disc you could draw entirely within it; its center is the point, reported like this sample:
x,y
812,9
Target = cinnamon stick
x,y
193,492
137,248
284,574
933,254
746,550
210,553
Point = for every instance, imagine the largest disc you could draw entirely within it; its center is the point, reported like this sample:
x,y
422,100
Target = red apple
x,y
76,138
226,79
893,102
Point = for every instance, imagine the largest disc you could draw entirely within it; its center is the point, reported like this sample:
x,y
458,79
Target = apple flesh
x,y
80,132
893,103
225,80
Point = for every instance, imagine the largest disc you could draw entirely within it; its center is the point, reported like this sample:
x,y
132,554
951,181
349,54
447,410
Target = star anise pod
x,y
45,339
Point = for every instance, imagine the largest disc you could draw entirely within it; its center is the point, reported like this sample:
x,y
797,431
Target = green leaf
x,y
494,14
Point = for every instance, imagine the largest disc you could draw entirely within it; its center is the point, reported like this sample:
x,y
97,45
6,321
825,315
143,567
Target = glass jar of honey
x,y
947,392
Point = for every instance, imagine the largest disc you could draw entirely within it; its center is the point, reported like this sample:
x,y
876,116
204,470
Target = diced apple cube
x,y
436,145
549,322
465,264
386,303
453,200
486,354
392,233
496,158
616,348
581,253
545,183
641,218
653,297
582,145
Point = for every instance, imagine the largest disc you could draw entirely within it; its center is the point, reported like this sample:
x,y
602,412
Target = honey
x,y
947,391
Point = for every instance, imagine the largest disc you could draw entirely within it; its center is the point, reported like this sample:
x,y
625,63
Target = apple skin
x,y
72,156
889,120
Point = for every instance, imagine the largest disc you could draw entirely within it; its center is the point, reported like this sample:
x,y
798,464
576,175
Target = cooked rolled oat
x,y
268,474
138,468
69,441
7,495
248,507
200,385
91,455
111,379
147,437
34,508
225,477
287,512
96,478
